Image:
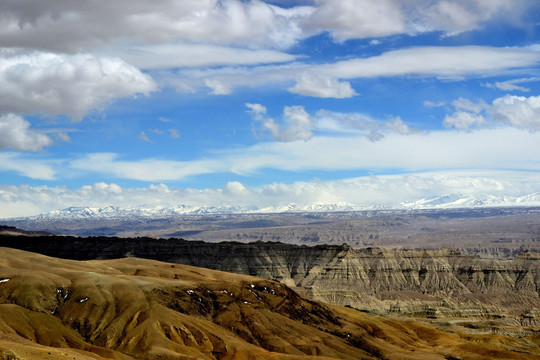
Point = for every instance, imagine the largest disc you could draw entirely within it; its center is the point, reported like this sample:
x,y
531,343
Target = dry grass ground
x,y
144,309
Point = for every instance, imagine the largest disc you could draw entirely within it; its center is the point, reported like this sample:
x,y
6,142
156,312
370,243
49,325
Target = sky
x,y
266,103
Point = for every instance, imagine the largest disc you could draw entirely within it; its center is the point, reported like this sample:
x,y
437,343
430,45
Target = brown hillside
x,y
144,309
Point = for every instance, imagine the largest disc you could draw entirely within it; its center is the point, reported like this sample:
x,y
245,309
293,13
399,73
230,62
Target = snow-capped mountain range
x,y
449,201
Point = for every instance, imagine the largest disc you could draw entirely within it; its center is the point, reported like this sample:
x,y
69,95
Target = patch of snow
x,y
4,280
190,292
257,296
84,299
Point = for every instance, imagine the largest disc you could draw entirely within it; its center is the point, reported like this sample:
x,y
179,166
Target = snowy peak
x,y
448,201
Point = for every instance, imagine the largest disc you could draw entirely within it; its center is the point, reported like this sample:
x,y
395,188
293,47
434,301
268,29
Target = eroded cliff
x,y
430,284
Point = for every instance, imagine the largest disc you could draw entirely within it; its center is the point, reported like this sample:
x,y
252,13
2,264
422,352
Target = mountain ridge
x,y
419,283
447,201
143,309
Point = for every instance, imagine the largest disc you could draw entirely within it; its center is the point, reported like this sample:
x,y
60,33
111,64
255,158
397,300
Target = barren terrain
x,y
488,232
143,309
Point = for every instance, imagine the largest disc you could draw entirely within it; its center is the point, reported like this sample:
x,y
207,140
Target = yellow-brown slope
x,y
133,308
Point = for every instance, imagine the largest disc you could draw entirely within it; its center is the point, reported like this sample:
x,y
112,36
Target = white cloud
x,y
70,26
73,85
361,124
165,56
510,85
462,120
387,190
353,19
397,125
217,87
499,148
327,80
147,169
15,134
297,123
441,62
468,105
63,26
506,85
62,136
30,168
357,19
518,111
174,133
144,137
256,110
322,87
457,16
428,103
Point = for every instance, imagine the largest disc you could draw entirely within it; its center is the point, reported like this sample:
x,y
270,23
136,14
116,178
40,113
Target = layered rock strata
x,y
427,283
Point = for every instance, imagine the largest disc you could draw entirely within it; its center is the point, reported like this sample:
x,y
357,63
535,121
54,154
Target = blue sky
x,y
261,104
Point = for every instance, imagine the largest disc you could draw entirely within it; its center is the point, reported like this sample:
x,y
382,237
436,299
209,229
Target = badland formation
x,y
342,286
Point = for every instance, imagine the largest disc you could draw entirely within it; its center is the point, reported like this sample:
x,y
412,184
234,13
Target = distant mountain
x,y
454,201
448,201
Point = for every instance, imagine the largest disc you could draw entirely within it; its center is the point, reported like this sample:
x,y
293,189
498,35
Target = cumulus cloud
x,y
468,105
515,111
397,125
454,17
52,84
70,26
217,87
356,19
361,124
297,123
322,87
462,120
15,134
518,111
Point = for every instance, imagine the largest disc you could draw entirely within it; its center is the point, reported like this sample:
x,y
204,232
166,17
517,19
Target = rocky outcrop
x,y
368,271
141,309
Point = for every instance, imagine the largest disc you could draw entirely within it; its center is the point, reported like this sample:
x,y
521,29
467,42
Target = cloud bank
x,y
369,191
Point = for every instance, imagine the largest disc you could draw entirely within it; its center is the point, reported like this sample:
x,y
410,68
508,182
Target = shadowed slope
x,y
133,308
